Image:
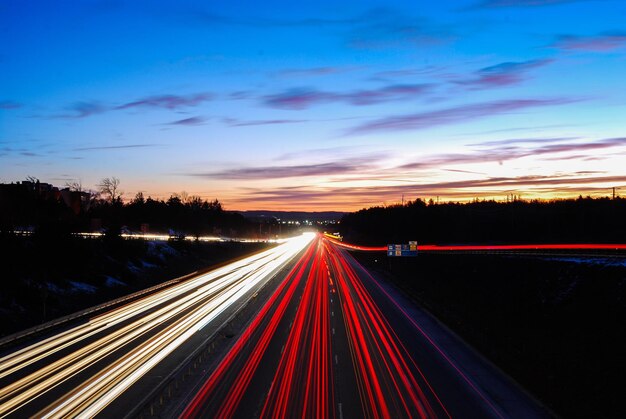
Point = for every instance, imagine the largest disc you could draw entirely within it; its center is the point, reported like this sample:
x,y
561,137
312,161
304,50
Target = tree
x,y
139,199
110,188
74,185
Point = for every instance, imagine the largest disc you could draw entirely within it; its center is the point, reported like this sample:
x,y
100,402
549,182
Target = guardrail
x,y
153,403
94,309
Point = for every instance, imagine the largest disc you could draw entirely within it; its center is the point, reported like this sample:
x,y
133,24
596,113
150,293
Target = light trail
x,y
303,380
156,325
435,247
265,323
388,381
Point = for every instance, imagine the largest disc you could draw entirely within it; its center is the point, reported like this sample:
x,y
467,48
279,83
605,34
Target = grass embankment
x,y
44,278
557,327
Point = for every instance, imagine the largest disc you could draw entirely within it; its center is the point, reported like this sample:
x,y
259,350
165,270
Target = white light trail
x,y
188,306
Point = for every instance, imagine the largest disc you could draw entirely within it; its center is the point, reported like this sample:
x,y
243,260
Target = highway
x,y
81,370
333,341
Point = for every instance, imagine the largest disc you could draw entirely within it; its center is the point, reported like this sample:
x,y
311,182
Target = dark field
x,y
556,324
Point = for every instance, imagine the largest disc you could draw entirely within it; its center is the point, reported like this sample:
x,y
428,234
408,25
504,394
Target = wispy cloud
x,y
352,165
115,147
297,99
454,115
408,72
604,42
505,151
504,74
327,152
383,28
376,28
312,71
523,141
463,189
168,101
205,16
83,110
194,120
9,104
240,123
521,3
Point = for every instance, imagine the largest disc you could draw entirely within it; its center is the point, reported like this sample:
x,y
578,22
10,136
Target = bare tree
x,y
75,185
110,188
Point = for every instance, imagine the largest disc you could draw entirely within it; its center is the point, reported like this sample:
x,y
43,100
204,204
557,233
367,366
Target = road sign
x,y
402,249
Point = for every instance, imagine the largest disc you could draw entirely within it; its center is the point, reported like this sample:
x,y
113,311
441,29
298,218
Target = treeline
x,y
189,217
43,208
537,221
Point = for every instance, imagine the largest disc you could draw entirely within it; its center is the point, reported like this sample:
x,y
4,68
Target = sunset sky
x,y
317,105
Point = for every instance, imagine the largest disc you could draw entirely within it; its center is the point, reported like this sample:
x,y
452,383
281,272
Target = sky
x,y
325,105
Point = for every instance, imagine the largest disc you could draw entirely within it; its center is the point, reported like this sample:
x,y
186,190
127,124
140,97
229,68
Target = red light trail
x,y
435,247
320,294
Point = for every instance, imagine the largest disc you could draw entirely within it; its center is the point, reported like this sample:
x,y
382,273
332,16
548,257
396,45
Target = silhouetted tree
x,y
109,187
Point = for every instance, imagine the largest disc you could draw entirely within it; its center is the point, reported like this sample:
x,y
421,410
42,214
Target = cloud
x,y
208,17
596,145
607,41
407,72
241,95
383,28
505,151
324,153
386,94
239,123
194,120
115,147
504,74
463,189
523,141
83,110
313,71
168,101
489,4
375,29
9,104
298,99
453,115
356,164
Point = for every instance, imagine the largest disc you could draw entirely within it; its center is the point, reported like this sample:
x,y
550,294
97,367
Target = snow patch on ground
x,y
133,268
82,287
591,260
161,250
113,282
148,264
54,288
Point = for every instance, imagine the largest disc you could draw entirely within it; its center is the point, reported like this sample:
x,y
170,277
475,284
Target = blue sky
x,y
320,105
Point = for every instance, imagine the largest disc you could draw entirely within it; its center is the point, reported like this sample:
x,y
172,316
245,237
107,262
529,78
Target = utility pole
x,y
614,188
403,198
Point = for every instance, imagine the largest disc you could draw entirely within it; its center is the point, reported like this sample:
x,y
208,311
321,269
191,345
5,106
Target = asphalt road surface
x,y
334,341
